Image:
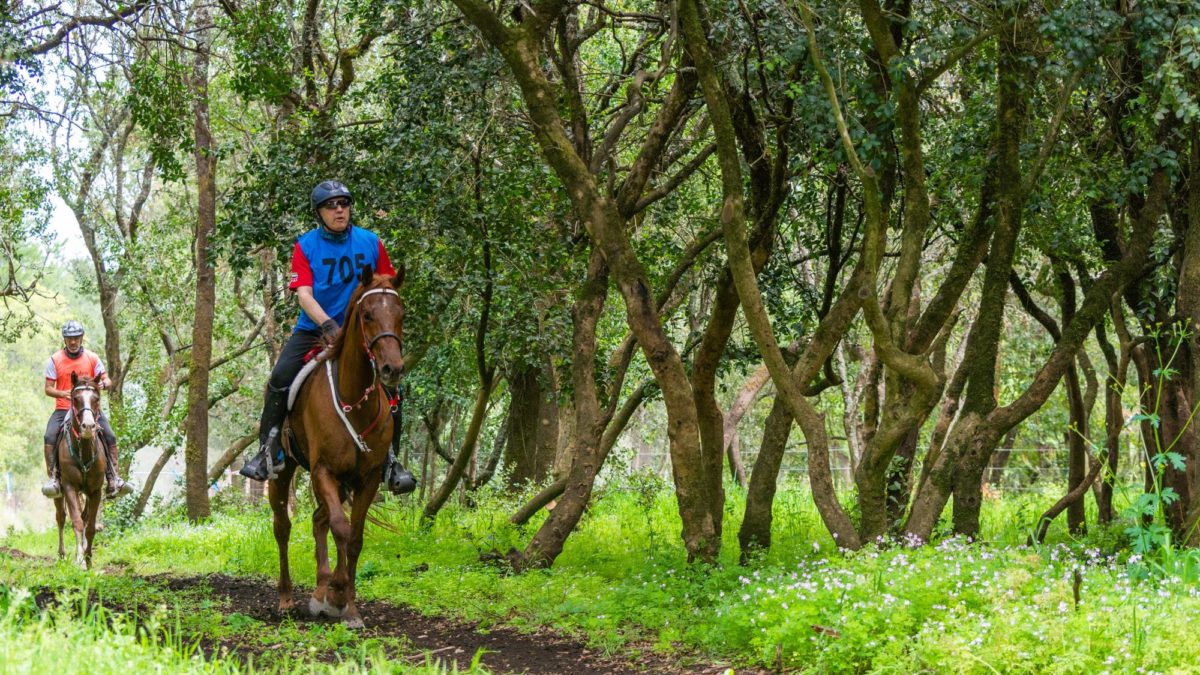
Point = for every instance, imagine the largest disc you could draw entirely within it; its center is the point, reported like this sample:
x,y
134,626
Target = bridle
x,y
362,326
87,404
393,402
78,434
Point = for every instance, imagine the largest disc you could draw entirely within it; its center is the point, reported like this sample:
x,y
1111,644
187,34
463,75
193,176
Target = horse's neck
x,y
355,372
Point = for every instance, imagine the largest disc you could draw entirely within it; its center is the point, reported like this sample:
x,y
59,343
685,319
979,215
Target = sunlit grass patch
x,y
992,607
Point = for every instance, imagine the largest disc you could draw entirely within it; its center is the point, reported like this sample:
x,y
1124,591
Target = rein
x,y
72,432
343,409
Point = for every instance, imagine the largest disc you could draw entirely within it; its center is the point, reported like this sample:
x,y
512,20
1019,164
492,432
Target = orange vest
x,y
84,366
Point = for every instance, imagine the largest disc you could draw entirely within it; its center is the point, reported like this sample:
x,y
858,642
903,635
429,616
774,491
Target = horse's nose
x,y
390,374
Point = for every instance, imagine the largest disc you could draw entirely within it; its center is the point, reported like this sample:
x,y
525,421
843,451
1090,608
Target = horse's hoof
x,y
353,623
316,607
286,606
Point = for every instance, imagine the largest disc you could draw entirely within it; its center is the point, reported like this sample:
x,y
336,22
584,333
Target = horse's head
x,y
380,317
85,404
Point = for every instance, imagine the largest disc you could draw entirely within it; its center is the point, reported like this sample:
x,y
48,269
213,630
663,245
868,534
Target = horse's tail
x,y
381,524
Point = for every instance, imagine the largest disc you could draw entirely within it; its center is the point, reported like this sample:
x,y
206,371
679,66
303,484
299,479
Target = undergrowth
x,y
1073,605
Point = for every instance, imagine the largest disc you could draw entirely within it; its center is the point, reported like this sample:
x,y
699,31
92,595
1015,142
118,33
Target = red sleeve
x,y
384,264
301,270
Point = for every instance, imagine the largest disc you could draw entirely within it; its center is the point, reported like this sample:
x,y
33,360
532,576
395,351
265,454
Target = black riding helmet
x,y
323,192
326,190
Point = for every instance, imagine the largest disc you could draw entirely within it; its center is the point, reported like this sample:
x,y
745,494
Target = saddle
x,y
315,357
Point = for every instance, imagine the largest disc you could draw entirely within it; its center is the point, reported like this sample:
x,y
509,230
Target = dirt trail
x,y
450,641
505,650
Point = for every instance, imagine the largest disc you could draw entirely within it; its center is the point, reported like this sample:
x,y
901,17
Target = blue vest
x,y
336,268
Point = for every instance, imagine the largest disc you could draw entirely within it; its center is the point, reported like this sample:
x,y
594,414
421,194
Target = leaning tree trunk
x,y
755,533
206,211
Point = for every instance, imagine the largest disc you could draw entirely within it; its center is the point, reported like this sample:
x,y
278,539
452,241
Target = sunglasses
x,y
334,204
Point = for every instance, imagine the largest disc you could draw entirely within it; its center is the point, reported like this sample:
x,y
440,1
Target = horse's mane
x,y
377,281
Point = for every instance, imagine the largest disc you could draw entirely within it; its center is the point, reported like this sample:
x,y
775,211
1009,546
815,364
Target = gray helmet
x,y
328,189
72,328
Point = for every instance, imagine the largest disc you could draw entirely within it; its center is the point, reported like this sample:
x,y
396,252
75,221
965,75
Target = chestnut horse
x,y
82,463
342,432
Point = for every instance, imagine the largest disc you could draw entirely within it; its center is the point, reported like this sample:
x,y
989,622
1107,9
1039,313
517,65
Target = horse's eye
x,y
368,316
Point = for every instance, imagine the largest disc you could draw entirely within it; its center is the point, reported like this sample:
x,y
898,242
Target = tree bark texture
x,y
606,225
196,454
532,427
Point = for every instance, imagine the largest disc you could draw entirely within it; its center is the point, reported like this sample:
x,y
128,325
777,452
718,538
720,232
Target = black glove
x,y
329,330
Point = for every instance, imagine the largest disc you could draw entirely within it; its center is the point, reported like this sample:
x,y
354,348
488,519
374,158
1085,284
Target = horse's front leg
x,y
278,494
60,515
328,494
317,604
90,510
358,520
71,497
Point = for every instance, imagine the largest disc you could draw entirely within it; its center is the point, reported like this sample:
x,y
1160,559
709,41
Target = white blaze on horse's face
x,y
88,400
382,325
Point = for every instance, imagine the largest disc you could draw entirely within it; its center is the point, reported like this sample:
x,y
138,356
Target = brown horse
x,y
82,463
342,424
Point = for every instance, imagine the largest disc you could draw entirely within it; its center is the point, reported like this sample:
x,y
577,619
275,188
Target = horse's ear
x,y
399,278
74,379
367,274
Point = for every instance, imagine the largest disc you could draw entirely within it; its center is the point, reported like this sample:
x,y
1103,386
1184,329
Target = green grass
x,y
622,580
72,636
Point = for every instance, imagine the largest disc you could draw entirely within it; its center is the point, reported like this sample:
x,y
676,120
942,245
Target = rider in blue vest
x,y
326,265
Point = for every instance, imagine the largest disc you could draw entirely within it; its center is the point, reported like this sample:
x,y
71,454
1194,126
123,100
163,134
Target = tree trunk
x,y
606,221
755,533
532,428
1012,110
746,397
151,478
547,543
1077,452
1189,306
206,222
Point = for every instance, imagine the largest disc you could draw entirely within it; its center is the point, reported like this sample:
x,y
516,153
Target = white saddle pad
x,y
294,390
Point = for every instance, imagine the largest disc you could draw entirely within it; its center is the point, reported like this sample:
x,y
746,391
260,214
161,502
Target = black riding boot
x,y
399,480
52,488
116,486
268,462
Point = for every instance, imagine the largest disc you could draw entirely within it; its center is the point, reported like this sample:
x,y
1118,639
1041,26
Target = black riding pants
x,y
55,423
291,360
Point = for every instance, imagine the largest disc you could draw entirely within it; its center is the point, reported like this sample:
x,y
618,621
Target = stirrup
x,y
262,467
122,488
399,480
52,489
